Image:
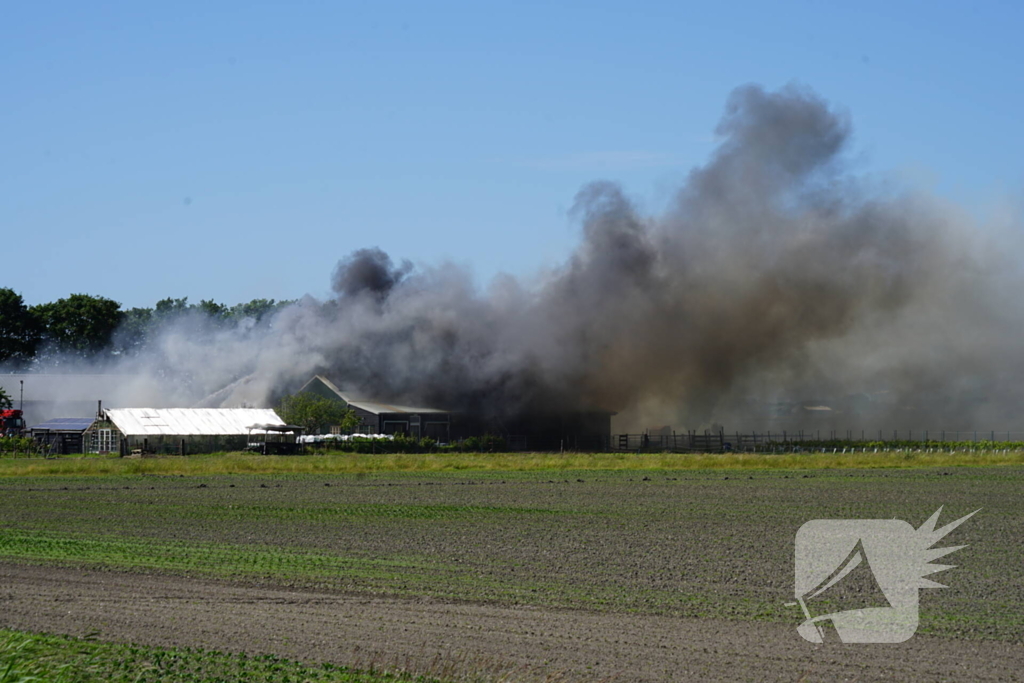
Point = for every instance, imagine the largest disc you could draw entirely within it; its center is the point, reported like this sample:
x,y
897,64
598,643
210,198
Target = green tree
x,y
19,329
256,309
213,309
134,332
80,324
168,308
5,400
316,414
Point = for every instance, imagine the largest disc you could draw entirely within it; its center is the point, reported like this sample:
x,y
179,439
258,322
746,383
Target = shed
x,y
62,435
176,430
378,417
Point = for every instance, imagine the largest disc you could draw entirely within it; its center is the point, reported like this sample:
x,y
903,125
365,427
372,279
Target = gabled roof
x,y
190,421
375,407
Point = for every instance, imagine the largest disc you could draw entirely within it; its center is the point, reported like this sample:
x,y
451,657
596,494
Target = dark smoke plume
x,y
776,278
368,270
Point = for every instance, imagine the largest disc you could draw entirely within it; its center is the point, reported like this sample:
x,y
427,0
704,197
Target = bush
x,y
17,444
408,444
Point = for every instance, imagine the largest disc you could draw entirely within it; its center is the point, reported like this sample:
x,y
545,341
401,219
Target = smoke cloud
x,y
776,285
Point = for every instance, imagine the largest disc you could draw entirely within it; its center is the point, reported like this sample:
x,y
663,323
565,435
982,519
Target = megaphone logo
x,y
861,576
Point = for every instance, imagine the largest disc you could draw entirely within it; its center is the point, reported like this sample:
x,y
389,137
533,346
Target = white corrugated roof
x,y
190,421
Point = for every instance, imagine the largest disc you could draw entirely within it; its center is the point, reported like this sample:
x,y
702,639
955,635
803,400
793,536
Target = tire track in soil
x,y
529,643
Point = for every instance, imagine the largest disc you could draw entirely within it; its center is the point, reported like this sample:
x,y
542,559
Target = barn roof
x,y
190,421
375,407
378,408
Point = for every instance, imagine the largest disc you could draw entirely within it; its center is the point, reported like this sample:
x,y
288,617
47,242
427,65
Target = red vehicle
x,y
11,423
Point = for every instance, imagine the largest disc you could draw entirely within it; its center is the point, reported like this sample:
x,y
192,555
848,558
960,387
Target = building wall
x,y
103,437
369,423
60,443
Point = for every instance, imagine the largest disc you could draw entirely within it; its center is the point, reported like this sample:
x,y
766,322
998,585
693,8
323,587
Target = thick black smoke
x,y
368,270
775,279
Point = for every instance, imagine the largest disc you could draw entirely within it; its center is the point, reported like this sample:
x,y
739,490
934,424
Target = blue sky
x,y
238,150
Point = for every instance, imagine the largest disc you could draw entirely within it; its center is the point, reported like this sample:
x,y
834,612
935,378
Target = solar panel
x,y
77,424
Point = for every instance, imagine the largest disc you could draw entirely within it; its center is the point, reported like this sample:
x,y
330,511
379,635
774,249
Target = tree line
x,y
87,327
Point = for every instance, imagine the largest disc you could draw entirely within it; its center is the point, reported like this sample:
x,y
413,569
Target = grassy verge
x,y
26,657
240,463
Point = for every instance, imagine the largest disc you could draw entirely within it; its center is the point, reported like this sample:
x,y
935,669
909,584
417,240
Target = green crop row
x,y
202,558
372,510
31,658
235,463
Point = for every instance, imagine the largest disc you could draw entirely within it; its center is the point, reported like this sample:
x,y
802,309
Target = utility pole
x,y
21,401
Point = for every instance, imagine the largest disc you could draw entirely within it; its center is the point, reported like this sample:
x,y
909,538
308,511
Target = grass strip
x,y
30,657
348,463
211,559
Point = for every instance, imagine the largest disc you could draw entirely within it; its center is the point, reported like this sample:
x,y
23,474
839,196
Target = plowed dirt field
x,y
623,576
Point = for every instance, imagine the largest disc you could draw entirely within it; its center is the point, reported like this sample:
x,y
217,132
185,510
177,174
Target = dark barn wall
x,y
435,426
369,423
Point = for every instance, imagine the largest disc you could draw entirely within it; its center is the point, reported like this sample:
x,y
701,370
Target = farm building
x,y
386,418
531,430
176,430
62,435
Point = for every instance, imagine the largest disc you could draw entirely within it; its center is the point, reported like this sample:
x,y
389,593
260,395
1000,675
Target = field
x,y
667,573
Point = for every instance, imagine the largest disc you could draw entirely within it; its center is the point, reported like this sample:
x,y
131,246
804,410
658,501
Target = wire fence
x,y
768,440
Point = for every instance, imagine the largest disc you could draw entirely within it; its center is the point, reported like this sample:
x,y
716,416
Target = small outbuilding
x,y
62,435
176,430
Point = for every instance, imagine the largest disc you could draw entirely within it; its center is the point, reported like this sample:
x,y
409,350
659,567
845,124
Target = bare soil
x,y
429,635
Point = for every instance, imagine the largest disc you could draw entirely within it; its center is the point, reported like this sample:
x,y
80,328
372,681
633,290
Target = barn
x,y
377,417
176,430
528,430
